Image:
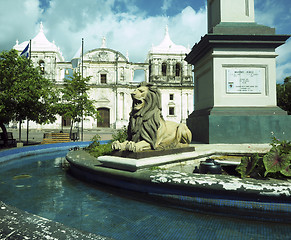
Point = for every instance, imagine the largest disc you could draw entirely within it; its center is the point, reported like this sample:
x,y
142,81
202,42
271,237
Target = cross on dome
x,y
103,42
40,44
41,27
167,30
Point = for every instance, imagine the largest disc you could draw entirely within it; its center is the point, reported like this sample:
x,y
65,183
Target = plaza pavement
x,y
36,136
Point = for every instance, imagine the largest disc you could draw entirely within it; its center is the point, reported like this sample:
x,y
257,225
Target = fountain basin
x,y
19,224
264,199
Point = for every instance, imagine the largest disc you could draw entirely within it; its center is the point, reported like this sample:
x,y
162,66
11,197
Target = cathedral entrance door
x,y
105,115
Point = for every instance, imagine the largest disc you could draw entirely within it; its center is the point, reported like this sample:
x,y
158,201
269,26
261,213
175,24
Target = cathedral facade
x,y
112,79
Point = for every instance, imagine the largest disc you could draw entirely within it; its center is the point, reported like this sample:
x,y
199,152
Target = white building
x,y
112,77
173,75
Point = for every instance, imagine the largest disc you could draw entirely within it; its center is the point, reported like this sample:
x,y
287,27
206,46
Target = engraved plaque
x,y
244,80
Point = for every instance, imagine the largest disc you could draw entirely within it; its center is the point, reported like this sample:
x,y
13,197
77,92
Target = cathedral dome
x,y
40,44
167,46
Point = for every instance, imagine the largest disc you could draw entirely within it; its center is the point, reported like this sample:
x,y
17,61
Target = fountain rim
x,y
186,190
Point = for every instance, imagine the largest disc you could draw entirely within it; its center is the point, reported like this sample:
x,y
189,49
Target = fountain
x,y
163,176
148,160
157,163
61,200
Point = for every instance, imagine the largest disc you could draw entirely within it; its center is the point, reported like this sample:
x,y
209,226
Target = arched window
x,y
178,70
164,69
41,66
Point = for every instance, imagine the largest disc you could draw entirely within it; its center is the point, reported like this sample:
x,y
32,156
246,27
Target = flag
x,y
75,62
25,52
76,59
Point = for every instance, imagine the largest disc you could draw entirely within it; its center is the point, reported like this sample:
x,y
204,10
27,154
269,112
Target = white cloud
x,y
130,31
273,14
283,61
17,21
283,71
284,52
166,5
189,26
126,27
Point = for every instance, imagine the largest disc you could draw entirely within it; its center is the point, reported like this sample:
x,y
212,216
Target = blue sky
x,y
131,26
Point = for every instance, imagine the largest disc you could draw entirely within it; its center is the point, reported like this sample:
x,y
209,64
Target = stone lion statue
x,y
147,129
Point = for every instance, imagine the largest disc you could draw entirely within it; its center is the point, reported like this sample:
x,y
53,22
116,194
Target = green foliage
x,y
284,146
250,166
97,149
120,135
276,163
75,102
24,92
278,159
284,95
75,99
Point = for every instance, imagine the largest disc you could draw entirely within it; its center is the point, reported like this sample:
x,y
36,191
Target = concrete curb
x,y
18,224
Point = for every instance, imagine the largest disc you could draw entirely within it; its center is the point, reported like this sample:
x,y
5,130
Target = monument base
x,y
239,125
152,153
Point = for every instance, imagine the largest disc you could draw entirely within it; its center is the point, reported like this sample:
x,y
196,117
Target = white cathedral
x,y
112,79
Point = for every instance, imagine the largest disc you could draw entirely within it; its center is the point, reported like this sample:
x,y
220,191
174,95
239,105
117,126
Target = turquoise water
x,y
39,185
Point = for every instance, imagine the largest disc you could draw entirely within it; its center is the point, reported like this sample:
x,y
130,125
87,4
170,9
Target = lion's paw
x,y
131,146
116,145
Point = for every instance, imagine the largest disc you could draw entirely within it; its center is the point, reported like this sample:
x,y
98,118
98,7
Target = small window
x,y
178,70
164,69
171,111
171,97
103,78
41,66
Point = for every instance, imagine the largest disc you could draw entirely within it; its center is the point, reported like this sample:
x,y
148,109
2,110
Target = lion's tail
x,y
184,134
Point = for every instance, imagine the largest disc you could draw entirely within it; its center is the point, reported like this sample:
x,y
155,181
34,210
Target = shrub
x,y
251,166
120,135
276,163
97,149
278,159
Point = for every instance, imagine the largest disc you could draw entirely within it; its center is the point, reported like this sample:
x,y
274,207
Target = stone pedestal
x,y
239,125
235,89
235,79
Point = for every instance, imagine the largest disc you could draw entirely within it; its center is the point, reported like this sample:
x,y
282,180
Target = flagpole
x,y
19,137
82,128
27,121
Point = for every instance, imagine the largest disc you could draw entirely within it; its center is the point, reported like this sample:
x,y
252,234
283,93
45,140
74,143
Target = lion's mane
x,y
144,123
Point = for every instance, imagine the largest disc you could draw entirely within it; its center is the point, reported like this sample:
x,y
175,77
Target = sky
x,y
131,26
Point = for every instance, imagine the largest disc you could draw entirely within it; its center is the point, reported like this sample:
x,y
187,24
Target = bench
x,y
55,138
11,142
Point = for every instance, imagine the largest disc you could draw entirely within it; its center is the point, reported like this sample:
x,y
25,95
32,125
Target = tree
x,y
284,95
75,102
24,92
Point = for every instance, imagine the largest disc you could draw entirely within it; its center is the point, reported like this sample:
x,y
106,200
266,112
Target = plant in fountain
x,y
278,160
97,149
251,166
276,163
